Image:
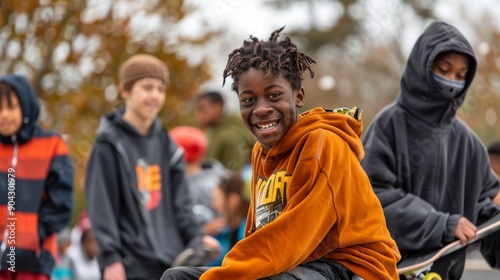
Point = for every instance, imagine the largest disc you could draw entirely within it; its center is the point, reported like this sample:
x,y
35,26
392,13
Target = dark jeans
x,y
317,270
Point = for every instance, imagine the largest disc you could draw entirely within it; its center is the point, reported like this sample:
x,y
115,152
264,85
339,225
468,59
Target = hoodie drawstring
x,y
14,155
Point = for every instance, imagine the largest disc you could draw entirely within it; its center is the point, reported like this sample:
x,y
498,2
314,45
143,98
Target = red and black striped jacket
x,y
36,190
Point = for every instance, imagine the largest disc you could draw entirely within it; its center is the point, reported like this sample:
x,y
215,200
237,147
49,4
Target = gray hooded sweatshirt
x,y
137,198
427,167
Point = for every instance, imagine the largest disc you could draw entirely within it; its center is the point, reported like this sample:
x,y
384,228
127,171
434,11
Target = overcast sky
x,y
243,18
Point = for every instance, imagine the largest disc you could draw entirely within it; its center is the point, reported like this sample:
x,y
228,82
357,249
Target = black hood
x,y
115,120
419,93
29,105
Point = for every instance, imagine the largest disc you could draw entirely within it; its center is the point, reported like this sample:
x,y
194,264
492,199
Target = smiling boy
x,y
136,188
313,213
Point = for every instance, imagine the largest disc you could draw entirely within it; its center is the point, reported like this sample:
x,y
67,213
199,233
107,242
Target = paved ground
x,y
476,268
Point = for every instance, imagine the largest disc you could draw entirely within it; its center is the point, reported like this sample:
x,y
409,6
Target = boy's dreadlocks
x,y
281,57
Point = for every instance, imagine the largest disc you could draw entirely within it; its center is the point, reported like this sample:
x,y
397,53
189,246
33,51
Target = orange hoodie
x,y
311,199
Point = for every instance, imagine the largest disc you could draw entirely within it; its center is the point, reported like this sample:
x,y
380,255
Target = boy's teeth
x,y
267,126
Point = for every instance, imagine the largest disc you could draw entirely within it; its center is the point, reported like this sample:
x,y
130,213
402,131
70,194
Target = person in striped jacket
x,y
36,185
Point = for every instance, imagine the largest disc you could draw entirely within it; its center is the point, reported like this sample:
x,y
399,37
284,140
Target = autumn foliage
x,y
71,51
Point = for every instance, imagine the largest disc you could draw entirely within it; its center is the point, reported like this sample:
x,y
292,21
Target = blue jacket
x,y
225,238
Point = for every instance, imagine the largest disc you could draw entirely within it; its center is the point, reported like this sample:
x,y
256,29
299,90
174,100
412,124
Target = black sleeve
x,y
413,222
103,201
57,205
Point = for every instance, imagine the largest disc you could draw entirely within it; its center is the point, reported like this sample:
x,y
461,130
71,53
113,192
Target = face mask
x,y
448,87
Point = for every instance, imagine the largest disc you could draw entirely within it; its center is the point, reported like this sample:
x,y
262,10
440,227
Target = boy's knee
x,y
171,273
183,273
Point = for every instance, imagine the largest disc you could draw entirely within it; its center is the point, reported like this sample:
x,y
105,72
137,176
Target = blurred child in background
x,y
230,201
202,176
62,270
36,185
135,186
229,142
83,255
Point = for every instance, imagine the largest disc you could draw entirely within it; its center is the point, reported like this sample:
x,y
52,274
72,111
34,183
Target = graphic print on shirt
x,y
270,197
149,183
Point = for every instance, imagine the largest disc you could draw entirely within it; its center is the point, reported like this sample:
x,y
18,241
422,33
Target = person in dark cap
x,y
36,185
135,186
228,140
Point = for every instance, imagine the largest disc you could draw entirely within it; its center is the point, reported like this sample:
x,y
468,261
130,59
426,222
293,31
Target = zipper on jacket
x,y
13,165
437,191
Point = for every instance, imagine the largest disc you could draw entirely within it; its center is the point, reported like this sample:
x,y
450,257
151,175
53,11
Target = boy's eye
x,y
13,105
247,100
274,95
462,76
147,87
443,70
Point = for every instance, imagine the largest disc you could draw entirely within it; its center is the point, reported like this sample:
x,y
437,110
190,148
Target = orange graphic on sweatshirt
x,y
149,184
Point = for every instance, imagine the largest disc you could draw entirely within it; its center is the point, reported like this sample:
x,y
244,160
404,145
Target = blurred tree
x,y
362,51
354,19
314,37
481,109
71,51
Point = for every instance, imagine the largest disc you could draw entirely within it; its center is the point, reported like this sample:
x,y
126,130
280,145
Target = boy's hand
x,y
213,245
465,231
215,226
115,271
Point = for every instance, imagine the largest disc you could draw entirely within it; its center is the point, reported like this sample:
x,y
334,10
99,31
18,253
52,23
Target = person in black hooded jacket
x,y
36,185
428,168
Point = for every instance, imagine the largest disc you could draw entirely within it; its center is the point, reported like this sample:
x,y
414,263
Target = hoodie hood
x,y
29,105
115,120
344,122
419,91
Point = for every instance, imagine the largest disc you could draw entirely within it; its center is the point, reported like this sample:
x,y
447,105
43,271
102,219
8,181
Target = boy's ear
x,y
220,107
123,92
300,97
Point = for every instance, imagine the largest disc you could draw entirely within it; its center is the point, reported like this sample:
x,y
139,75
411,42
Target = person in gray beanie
x,y
135,185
